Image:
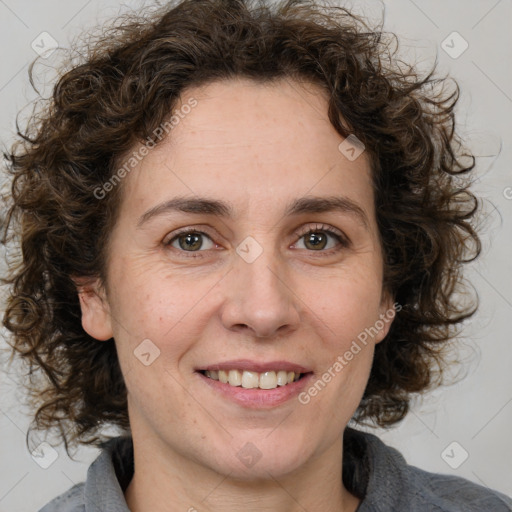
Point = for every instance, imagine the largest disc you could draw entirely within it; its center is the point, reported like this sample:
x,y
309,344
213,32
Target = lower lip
x,y
256,398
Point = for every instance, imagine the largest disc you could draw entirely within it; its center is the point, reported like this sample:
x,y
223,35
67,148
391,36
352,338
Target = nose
x,y
260,298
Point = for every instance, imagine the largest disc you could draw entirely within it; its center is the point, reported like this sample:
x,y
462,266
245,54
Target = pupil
x,y
192,241
316,240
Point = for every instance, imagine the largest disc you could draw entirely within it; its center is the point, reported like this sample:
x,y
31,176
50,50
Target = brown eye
x,y
318,238
190,241
315,240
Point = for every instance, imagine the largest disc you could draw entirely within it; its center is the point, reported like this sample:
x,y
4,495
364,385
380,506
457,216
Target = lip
x,y
255,398
255,366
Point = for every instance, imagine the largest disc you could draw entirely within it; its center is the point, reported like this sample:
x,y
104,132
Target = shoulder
x,y
446,493
72,500
107,477
392,484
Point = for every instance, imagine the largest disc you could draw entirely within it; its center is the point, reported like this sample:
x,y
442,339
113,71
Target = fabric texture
x,y
371,470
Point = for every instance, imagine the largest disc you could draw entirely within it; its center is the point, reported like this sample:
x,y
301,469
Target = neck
x,y
165,481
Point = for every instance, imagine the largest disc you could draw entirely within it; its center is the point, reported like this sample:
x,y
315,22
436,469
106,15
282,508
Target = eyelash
x,y
343,241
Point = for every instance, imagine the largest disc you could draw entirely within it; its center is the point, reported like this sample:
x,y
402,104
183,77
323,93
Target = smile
x,y
250,379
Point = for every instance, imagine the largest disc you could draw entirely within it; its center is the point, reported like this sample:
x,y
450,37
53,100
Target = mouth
x,y
246,379
255,384
256,390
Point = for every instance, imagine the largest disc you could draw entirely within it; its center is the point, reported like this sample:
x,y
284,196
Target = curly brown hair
x,y
130,79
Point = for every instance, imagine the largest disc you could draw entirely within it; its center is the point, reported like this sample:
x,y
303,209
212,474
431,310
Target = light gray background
x,y
476,413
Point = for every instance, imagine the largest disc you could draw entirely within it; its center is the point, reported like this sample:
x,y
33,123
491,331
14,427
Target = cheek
x,y
168,309
150,297
347,302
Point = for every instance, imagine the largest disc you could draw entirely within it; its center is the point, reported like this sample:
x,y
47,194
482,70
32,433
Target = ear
x,y
388,310
96,318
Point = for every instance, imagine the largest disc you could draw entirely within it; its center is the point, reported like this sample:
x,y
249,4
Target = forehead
x,y
242,117
247,141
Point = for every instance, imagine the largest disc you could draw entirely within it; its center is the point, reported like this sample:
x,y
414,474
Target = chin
x,y
246,462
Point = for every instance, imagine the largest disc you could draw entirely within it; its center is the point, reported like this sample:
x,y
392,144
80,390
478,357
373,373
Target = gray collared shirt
x,y
370,469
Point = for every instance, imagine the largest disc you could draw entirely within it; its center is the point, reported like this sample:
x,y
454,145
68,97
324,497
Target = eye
x,y
316,239
190,240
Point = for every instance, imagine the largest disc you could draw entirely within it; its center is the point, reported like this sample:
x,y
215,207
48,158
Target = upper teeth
x,y
247,379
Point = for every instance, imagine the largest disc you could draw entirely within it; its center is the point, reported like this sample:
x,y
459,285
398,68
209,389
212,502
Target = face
x,y
281,270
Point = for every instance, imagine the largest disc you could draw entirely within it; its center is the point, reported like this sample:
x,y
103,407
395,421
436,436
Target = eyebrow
x,y
207,206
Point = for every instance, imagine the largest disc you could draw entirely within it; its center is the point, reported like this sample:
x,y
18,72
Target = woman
x,y
237,236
